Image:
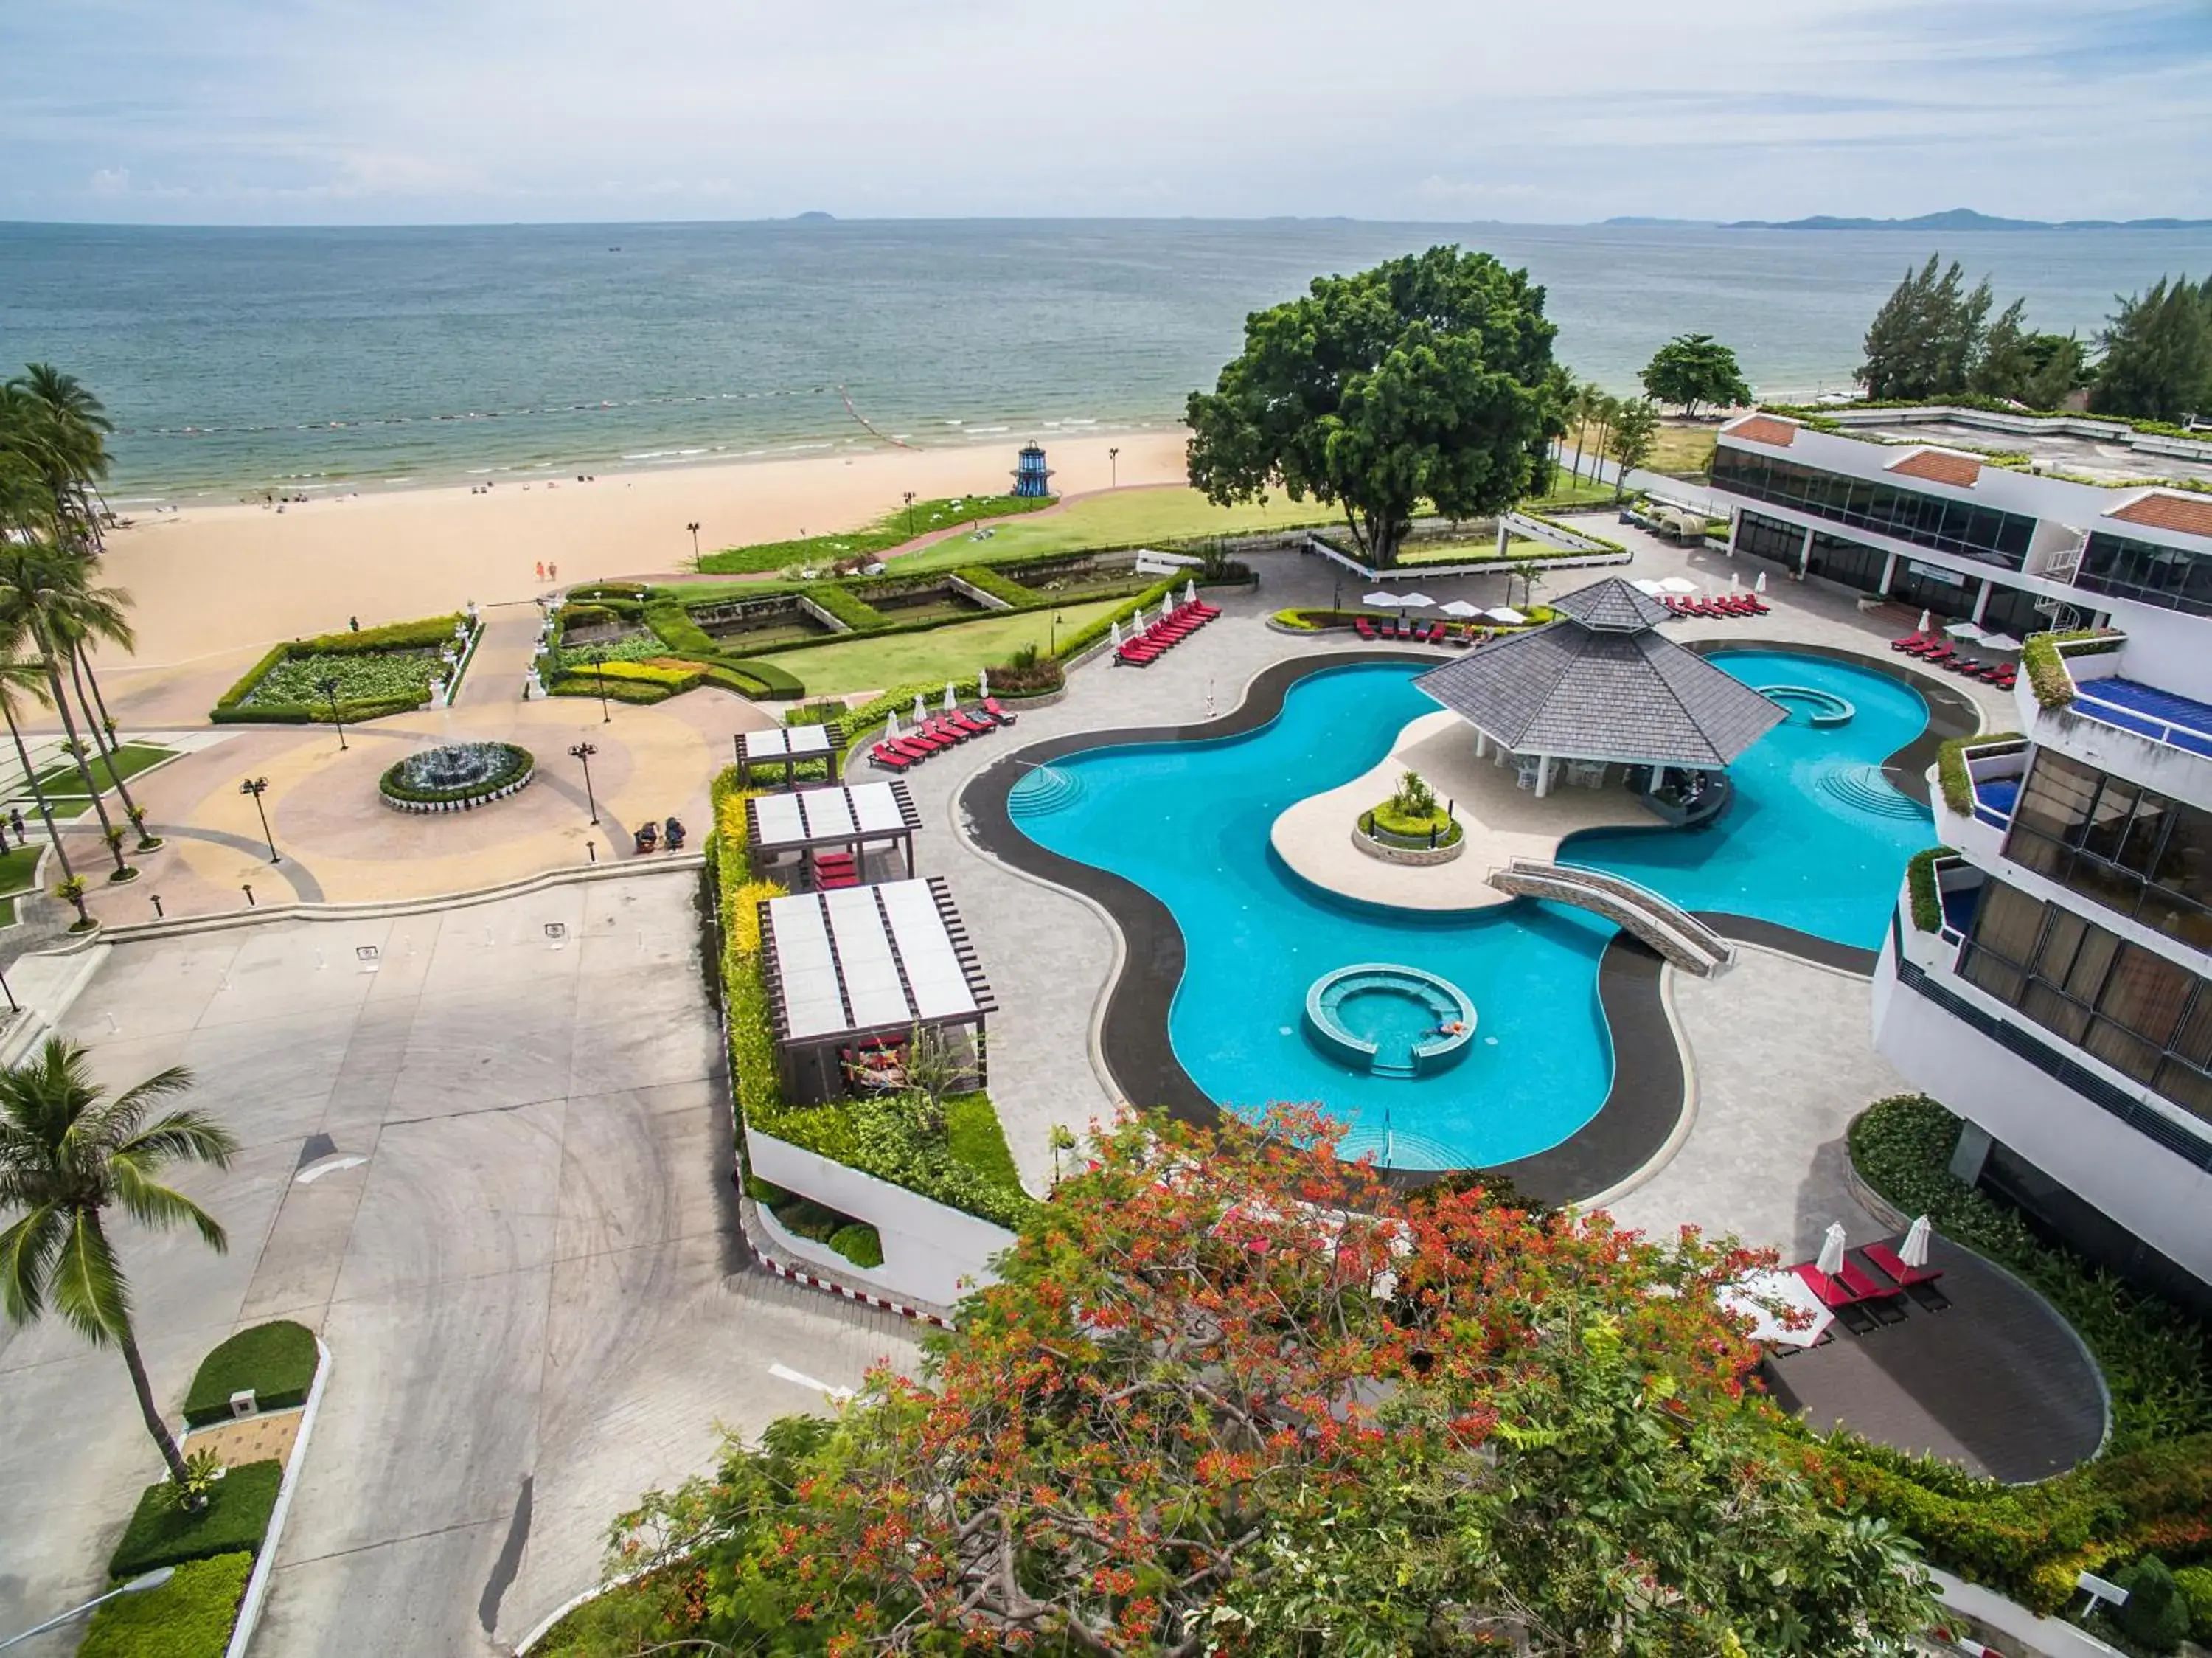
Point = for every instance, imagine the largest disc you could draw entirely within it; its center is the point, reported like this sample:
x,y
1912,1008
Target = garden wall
x,y
931,1252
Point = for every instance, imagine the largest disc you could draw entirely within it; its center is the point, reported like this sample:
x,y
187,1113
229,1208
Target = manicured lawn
x,y
277,1361
887,532
188,1617
130,758
1682,451
1467,552
19,866
1119,518
942,653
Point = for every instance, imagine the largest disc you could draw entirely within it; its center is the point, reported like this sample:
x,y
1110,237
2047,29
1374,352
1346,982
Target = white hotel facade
x,y
2062,1005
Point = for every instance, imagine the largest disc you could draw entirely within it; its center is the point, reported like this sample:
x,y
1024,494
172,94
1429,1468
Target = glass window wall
x,y
2137,852
2125,568
1981,533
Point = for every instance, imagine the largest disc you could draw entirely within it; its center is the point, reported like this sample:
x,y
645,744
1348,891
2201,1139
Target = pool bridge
x,y
1667,928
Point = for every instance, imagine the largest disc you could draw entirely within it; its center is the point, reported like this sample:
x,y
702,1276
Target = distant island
x,y
1958,218
816,216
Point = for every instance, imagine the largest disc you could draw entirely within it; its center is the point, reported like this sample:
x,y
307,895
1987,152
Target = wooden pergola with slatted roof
x,y
846,818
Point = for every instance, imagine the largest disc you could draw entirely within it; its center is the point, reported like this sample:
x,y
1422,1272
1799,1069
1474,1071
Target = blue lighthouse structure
x,y
1032,477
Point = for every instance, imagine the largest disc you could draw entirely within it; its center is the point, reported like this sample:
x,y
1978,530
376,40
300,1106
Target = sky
x,y
368,111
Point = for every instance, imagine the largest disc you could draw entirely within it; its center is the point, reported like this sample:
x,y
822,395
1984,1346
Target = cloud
x,y
473,110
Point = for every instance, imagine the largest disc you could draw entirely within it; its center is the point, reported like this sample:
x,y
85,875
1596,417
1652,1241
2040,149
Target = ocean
x,y
236,362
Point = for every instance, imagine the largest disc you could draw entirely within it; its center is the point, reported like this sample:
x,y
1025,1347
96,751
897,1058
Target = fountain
x,y
457,776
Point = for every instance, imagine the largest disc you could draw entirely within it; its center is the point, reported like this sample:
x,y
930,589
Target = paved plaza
x,y
531,1281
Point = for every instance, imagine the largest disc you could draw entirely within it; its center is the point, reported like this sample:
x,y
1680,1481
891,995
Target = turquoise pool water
x,y
1816,839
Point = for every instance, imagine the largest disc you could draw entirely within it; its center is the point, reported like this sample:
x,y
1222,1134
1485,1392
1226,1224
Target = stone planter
x,y
1392,851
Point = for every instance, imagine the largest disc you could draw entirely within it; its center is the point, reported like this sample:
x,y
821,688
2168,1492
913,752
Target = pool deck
x,y
1502,821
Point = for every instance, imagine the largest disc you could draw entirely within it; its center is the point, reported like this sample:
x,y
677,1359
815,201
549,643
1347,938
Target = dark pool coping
x,y
1645,1105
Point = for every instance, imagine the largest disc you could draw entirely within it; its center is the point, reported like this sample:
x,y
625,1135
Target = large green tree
x,y
1233,1396
1928,335
2158,354
68,1155
1693,369
1635,434
1428,378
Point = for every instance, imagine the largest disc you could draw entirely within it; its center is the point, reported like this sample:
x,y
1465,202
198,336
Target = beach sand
x,y
209,584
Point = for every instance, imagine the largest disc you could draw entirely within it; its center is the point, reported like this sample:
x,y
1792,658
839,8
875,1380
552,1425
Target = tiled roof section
x,y
1940,466
1569,690
1765,429
2160,509
1611,606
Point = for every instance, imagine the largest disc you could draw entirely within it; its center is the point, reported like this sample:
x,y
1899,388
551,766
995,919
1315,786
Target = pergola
x,y
783,748
844,817
866,964
1599,686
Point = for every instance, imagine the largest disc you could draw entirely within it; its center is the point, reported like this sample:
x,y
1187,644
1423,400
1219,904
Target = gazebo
x,y
853,972
847,818
781,749
1601,686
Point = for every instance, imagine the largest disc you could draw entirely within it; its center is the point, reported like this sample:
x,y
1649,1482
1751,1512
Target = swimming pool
x,y
1816,839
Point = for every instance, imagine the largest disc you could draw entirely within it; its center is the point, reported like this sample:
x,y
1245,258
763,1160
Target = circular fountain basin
x,y
1815,706
1389,1021
457,776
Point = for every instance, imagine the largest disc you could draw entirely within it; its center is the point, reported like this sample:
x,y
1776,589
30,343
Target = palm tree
x,y
16,675
1583,408
44,598
67,1153
71,426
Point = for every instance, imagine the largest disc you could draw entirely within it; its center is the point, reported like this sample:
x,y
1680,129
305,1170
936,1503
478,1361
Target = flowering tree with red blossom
x,y
1232,1395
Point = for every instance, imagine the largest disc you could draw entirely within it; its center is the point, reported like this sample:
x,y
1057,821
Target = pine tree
x,y
1927,338
2158,353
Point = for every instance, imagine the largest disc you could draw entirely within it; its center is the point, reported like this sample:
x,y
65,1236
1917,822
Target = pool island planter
x,y
1397,848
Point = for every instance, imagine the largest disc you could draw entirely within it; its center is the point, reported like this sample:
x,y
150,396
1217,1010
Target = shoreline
x,y
209,580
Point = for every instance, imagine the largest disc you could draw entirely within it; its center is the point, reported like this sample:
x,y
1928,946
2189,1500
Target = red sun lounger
x,y
1894,1264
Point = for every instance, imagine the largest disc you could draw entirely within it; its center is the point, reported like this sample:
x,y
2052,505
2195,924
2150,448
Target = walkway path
x,y
501,663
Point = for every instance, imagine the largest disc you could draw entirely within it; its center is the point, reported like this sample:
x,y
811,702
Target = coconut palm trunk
x,y
122,871
38,795
103,736
156,1424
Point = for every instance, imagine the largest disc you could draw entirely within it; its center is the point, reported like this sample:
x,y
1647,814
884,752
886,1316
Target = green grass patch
x,y
892,529
643,1616
277,1361
19,868
191,1616
1122,518
1388,819
939,654
972,1127
235,1519
1418,553
130,758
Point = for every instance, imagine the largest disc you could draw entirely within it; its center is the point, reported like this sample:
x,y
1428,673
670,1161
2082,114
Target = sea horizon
x,y
238,362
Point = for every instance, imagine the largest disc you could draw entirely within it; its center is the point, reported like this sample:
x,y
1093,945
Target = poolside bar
x,y
782,749
855,974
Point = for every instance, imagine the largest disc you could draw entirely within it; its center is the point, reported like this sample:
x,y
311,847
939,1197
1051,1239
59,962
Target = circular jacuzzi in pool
x,y
1389,1021
1809,704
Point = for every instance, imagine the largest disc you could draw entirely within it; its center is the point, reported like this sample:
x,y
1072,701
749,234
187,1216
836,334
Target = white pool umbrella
x,y
952,695
1190,591
1114,634
921,709
2000,641
891,726
1966,631
1927,619
1832,1250
982,682
1647,587
1417,601
1913,1251
1676,585
1381,600
1461,608
1506,616
1759,586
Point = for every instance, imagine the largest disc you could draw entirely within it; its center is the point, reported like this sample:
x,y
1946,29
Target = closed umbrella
x,y
1832,1250
1114,633
952,695
1759,586
1731,580
1190,591
921,709
1926,619
1913,1251
891,726
982,682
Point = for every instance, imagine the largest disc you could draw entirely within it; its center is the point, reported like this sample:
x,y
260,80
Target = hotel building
x,y
2059,998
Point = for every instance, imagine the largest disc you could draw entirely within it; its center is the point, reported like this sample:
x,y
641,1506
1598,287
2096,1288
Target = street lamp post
x,y
599,668
1113,468
909,515
329,687
583,751
694,528
152,1580
254,786
1053,650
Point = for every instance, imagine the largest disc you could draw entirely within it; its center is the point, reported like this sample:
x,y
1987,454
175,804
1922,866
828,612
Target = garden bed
x,y
379,670
276,1361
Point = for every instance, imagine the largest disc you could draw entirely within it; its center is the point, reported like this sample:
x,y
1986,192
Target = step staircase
x,y
1673,931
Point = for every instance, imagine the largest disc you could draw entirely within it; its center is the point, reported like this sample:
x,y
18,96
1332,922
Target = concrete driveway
x,y
529,1283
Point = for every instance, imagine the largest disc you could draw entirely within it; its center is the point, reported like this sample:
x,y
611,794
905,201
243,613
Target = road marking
x,y
323,1165
784,1373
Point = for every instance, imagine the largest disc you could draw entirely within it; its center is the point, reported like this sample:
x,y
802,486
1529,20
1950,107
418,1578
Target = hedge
x,y
2046,663
602,590
1927,893
428,633
634,691
849,608
1827,412
985,580
191,1616
277,1361
1952,771
235,1519
858,1243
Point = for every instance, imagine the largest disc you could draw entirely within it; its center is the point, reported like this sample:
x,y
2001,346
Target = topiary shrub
x,y
2154,1613
858,1243
277,1361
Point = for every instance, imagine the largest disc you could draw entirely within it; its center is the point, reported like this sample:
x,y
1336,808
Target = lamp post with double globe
x,y
599,668
256,786
329,687
583,751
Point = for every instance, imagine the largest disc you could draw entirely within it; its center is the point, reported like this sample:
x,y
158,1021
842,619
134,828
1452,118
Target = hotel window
x,y
1981,533
2128,569
2145,1016
1769,538
2135,850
